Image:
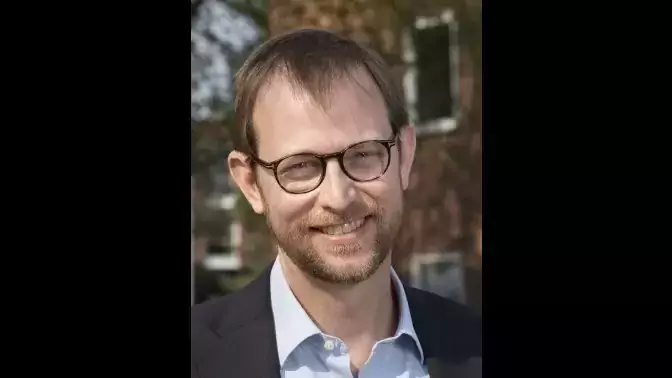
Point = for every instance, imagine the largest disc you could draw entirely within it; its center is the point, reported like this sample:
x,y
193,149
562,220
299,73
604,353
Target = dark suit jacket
x,y
234,336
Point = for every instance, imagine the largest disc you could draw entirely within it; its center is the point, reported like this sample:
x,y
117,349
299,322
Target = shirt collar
x,y
405,324
293,325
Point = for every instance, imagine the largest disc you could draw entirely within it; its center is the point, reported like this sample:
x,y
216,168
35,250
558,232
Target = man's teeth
x,y
343,228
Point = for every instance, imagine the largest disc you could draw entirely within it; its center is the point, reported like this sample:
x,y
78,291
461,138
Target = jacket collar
x,y
243,345
447,330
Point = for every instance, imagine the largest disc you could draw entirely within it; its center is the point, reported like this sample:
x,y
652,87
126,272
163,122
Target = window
x,y
431,80
218,249
441,273
223,254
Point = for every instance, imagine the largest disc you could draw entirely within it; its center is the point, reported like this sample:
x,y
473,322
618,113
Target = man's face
x,y
342,231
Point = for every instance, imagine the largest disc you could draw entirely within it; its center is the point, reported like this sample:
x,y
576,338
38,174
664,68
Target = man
x,y
326,154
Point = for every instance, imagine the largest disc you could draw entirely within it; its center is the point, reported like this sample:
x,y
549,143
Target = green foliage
x,y
210,144
255,10
212,140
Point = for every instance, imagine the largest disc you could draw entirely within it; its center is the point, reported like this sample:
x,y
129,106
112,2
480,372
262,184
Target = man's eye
x,y
299,165
367,154
299,168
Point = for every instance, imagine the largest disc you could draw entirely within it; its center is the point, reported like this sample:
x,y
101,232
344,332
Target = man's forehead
x,y
321,90
288,120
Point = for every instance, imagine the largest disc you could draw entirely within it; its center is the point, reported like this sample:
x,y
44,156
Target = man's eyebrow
x,y
305,151
308,151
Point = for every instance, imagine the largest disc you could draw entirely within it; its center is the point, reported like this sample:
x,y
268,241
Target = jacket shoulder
x,y
440,306
448,328
211,313
232,309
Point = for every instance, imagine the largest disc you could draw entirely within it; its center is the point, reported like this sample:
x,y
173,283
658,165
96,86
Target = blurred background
x,y
435,50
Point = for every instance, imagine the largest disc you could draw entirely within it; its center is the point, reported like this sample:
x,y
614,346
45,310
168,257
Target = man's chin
x,y
348,268
346,265
344,251
344,275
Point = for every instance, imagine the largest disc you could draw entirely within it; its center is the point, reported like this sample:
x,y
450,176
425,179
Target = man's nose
x,y
337,191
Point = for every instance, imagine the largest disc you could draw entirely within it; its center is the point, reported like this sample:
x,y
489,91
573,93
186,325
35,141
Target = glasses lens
x,y
366,161
299,173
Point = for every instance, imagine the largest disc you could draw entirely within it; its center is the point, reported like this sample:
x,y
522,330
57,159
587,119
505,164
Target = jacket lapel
x,y
250,352
449,335
244,345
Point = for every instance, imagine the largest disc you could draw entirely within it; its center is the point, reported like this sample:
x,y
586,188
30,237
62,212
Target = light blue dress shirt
x,y
305,352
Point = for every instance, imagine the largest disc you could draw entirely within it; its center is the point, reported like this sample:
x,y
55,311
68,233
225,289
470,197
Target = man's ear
x,y
242,173
407,153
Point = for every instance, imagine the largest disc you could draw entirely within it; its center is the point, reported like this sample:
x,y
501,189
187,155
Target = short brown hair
x,y
310,59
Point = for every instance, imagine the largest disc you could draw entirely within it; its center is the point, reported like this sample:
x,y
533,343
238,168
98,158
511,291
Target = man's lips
x,y
341,228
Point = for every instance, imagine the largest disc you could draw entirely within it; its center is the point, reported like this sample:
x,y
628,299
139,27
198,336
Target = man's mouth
x,y
342,229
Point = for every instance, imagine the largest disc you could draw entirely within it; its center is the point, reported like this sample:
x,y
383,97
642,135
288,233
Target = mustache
x,y
354,213
326,222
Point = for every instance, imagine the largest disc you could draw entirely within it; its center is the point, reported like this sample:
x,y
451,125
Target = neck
x,y
359,314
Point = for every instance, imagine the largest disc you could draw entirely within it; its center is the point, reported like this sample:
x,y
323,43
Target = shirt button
x,y
328,345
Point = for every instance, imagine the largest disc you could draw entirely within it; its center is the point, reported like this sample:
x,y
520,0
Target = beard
x,y
297,241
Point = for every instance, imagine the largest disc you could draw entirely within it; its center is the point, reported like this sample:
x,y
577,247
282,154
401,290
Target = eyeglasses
x,y
303,173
